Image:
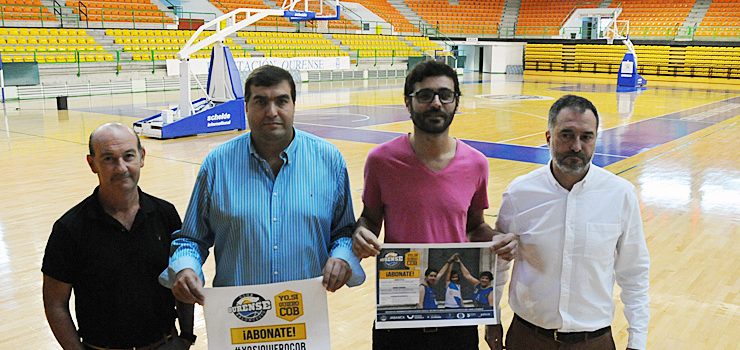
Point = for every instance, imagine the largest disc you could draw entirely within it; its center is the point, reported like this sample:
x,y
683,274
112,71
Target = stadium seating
x,y
427,46
713,61
49,45
147,45
141,11
722,20
469,17
276,21
24,10
376,45
652,59
545,17
291,44
544,57
606,58
654,18
390,14
227,6
342,23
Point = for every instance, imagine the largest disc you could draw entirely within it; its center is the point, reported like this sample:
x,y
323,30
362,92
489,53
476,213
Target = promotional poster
x,y
435,285
287,316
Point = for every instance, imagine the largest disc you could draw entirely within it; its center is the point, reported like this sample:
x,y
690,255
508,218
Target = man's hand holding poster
x,y
289,316
435,285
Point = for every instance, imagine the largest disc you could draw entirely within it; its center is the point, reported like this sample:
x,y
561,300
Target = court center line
x,y
521,137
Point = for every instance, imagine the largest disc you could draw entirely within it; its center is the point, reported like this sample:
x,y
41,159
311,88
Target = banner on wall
x,y
435,285
286,315
248,64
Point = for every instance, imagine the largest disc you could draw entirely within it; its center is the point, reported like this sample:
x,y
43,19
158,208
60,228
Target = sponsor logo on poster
x,y
289,305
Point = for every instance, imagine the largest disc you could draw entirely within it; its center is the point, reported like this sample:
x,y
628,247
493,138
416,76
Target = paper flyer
x,y
281,316
435,285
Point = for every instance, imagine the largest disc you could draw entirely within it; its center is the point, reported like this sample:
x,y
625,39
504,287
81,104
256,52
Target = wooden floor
x,y
677,143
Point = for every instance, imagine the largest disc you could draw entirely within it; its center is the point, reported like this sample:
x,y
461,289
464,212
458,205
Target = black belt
x,y
165,338
564,337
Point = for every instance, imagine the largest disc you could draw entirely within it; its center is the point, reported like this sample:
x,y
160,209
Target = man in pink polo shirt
x,y
429,188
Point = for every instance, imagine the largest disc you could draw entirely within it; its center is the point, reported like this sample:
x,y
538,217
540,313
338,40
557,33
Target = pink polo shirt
x,y
420,205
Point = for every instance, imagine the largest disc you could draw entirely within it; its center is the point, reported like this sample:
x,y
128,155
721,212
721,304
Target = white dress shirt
x,y
572,246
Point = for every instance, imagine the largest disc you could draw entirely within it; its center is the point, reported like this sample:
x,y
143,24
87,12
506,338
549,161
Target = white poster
x,y
248,64
435,285
286,315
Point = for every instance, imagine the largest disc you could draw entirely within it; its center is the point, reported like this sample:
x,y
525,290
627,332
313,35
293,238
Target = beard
x,y
569,163
429,122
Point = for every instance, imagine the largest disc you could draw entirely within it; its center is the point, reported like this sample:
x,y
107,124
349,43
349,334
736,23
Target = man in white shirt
x,y
579,230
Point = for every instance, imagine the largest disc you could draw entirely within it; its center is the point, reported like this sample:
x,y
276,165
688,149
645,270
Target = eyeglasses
x,y
427,95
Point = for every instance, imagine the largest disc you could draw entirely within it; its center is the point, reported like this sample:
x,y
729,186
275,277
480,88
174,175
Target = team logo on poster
x,y
391,260
250,307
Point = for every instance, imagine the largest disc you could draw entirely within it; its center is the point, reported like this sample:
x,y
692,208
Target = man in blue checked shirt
x,y
274,203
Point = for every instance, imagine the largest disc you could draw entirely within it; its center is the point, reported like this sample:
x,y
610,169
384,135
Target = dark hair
x,y
578,103
90,139
454,273
430,270
426,69
268,76
487,274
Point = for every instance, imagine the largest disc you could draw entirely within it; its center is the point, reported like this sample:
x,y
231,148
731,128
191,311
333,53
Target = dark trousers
x,y
442,338
523,337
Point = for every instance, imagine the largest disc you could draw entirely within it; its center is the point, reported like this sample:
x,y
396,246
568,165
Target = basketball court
x,y
676,142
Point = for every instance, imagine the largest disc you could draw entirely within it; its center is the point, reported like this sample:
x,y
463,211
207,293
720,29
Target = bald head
x,y
106,128
117,157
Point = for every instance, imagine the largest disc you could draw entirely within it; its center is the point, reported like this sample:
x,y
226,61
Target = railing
x,y
175,8
107,15
572,10
716,33
344,8
727,33
80,5
155,59
367,58
33,13
57,10
707,71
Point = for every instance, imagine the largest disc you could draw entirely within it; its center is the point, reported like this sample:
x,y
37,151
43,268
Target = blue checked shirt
x,y
266,228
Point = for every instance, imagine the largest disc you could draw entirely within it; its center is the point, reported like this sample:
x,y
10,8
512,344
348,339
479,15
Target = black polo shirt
x,y
113,271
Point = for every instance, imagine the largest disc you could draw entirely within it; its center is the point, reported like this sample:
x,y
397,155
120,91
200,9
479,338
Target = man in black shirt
x,y
110,249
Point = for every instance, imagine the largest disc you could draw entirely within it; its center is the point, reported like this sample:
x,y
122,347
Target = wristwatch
x,y
189,337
